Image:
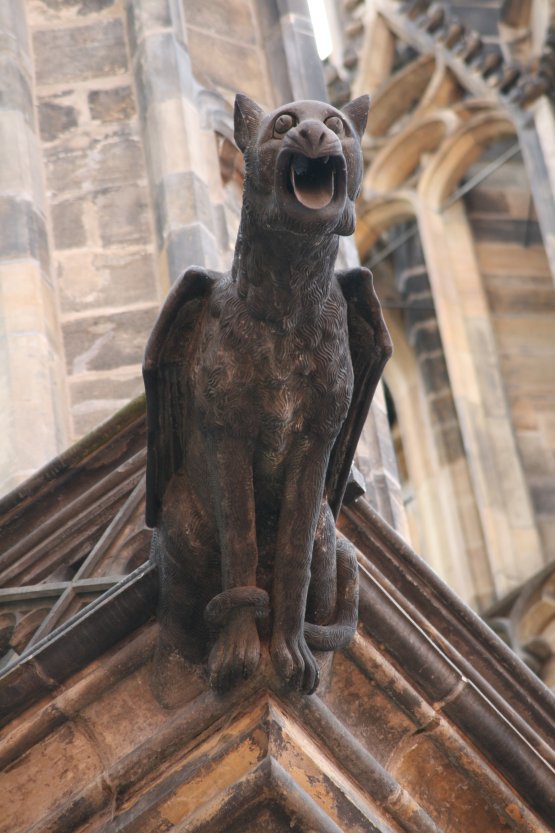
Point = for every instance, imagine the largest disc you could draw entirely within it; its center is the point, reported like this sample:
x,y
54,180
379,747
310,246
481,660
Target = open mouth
x,y
313,181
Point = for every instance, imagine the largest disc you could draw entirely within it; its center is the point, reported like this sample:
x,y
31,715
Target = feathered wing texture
x,y
370,345
168,351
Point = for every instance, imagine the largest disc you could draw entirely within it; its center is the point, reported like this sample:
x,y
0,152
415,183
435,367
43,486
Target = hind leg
x,y
332,609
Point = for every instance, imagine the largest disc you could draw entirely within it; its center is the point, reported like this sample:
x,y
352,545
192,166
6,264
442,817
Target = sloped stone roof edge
x,y
454,625
62,465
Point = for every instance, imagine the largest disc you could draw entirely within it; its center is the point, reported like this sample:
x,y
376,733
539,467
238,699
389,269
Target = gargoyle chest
x,y
282,385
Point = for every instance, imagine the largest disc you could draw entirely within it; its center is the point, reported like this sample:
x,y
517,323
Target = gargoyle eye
x,y
335,123
283,123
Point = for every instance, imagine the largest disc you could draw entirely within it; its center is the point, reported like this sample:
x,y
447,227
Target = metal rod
x,y
393,246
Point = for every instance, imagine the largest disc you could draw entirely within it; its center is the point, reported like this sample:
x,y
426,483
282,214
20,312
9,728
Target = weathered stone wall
x,y
98,200
227,48
120,190
521,297
33,413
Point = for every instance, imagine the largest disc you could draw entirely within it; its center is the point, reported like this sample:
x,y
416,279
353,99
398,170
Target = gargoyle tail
x,y
339,634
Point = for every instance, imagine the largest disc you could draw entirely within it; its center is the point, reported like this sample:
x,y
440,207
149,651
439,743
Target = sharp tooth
x,y
325,160
300,165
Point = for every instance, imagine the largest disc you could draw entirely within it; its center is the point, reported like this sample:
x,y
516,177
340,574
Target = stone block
x,y
526,334
107,341
116,104
181,199
13,27
20,161
33,429
547,429
23,232
190,245
434,372
482,17
416,315
15,88
537,457
505,259
526,405
117,159
66,165
78,53
366,710
528,372
162,71
442,408
506,230
413,281
221,227
448,442
165,154
425,337
484,200
60,11
126,719
444,789
212,57
56,770
96,399
144,18
520,293
511,484
220,17
546,528
67,223
543,496
97,161
89,279
26,301
56,119
124,215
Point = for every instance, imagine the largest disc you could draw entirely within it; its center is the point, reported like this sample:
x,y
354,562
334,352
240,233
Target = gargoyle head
x,y
303,163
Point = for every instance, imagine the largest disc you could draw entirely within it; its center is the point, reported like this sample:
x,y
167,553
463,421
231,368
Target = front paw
x,y
295,663
236,654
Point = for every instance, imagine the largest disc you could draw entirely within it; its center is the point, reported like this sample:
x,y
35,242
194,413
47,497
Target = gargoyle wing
x,y
168,351
370,346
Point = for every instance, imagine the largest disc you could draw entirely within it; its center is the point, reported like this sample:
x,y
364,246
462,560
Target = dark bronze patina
x,y
258,383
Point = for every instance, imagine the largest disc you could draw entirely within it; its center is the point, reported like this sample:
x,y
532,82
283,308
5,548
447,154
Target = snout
x,y
311,138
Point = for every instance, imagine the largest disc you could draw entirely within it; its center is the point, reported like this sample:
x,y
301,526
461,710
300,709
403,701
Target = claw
x,y
295,664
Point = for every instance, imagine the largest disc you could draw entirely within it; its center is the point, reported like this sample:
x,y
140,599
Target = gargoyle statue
x,y
258,382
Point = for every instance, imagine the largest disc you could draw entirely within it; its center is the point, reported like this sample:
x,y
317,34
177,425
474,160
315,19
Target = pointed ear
x,y
247,117
357,113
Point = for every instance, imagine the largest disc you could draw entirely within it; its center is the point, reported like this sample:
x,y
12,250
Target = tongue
x,y
312,192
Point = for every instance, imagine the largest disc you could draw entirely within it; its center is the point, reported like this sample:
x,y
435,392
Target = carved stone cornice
x,y
486,73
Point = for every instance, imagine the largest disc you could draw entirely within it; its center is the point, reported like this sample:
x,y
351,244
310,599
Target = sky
x,y
321,28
